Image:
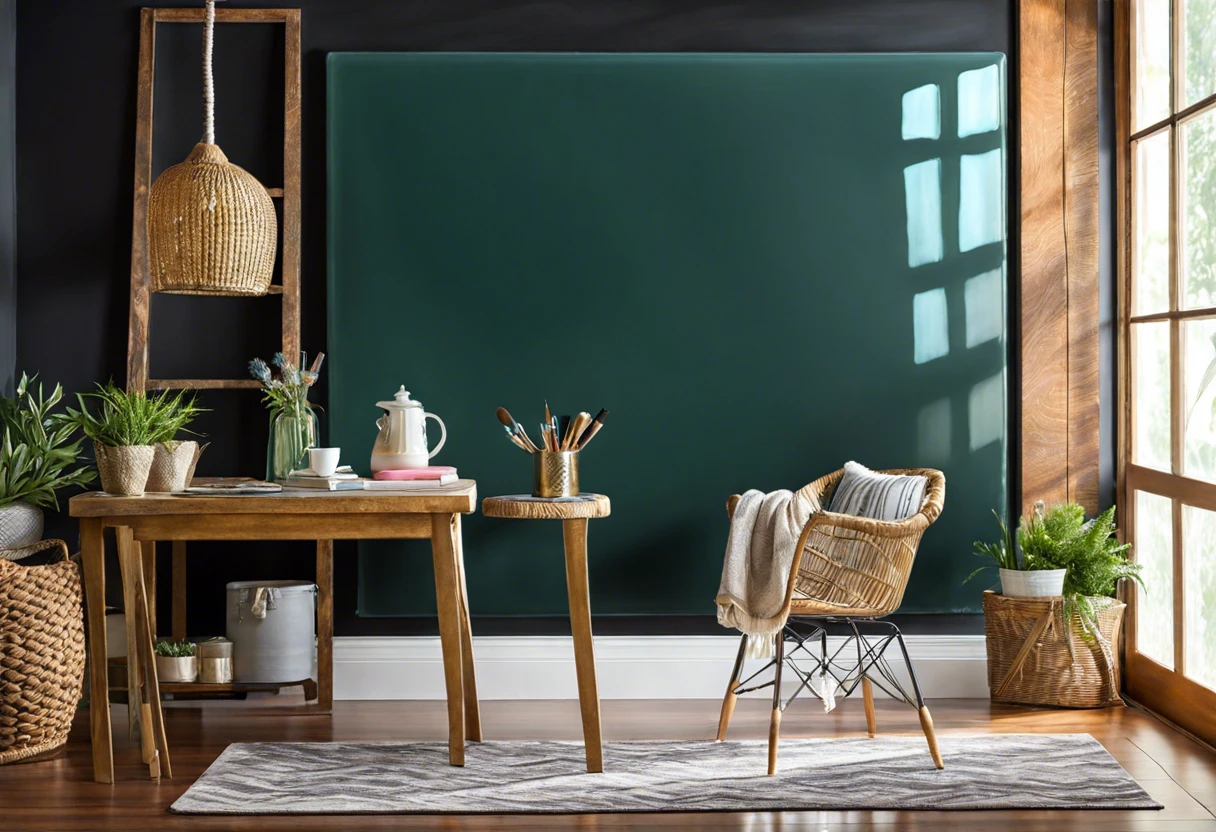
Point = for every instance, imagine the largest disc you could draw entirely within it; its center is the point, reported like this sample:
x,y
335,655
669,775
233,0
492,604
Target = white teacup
x,y
323,461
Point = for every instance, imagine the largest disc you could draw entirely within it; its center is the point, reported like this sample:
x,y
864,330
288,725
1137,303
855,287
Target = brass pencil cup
x,y
555,474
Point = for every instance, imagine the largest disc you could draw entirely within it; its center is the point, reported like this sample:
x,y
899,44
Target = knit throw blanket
x,y
764,532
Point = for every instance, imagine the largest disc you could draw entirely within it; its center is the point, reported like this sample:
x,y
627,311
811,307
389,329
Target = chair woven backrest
x,y
864,565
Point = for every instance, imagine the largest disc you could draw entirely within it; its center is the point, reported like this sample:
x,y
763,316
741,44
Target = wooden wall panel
x,y
1081,221
1059,251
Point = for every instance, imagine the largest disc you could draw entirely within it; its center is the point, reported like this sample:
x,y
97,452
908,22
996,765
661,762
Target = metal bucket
x,y
272,627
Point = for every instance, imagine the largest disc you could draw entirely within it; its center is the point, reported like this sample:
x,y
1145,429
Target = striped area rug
x,y
1011,771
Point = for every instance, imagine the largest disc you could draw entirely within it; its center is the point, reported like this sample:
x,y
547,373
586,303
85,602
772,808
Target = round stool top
x,y
527,507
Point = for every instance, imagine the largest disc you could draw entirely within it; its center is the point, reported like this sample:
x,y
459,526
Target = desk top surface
x,y
459,497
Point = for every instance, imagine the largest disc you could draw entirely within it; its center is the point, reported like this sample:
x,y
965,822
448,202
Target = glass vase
x,y
292,433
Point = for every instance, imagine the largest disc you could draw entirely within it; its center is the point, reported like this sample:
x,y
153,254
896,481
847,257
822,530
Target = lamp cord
x,y
208,80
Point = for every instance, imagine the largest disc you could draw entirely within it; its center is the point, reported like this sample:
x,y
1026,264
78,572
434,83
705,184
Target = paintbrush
x,y
596,424
548,421
508,421
511,435
563,434
581,422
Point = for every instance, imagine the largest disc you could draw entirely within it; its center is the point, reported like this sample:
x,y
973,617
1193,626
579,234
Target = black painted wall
x,y
76,67
8,194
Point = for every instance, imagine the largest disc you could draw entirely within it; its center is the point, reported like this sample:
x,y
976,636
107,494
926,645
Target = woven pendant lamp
x,y
212,228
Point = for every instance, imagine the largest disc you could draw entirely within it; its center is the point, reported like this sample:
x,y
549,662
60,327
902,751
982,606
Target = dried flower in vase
x,y
284,385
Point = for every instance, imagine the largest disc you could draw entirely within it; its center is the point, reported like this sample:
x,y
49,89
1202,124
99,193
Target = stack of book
x,y
345,479
412,479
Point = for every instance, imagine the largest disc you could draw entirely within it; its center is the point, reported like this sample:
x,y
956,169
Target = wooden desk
x,y
574,512
292,515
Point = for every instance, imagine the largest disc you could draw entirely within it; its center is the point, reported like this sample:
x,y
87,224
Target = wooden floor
x,y
60,795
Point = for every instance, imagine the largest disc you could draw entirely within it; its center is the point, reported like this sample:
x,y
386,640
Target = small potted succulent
x,y
126,429
38,456
176,661
1019,579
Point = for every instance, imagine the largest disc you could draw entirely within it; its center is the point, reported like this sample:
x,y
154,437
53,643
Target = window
x,y
1169,314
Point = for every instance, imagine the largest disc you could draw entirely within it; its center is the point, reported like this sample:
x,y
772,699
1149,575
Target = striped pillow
x,y
865,493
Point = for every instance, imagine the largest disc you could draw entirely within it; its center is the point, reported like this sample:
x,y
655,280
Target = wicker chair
x,y
852,571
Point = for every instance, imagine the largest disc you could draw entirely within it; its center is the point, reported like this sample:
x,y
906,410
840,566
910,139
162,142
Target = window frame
x,y
1166,690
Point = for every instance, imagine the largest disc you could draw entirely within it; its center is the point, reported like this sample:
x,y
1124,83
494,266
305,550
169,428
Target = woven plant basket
x,y
41,654
173,465
1036,658
212,228
124,469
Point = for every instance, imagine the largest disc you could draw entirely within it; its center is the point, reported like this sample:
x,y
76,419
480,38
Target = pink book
x,y
432,472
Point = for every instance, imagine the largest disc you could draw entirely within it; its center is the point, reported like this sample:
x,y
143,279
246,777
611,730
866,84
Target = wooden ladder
x,y
138,361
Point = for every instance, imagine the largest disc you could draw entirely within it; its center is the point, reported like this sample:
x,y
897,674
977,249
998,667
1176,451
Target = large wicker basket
x,y
41,654
1035,659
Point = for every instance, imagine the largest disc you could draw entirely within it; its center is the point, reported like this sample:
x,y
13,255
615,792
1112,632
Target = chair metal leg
x,y
774,726
728,701
926,721
867,687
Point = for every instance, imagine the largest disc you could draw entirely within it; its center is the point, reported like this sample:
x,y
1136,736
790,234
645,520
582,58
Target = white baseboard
x,y
629,667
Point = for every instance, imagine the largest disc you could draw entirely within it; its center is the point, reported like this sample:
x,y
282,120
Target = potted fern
x,y
1019,578
125,429
1092,558
38,456
1061,650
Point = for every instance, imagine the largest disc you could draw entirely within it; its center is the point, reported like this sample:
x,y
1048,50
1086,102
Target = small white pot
x,y
1038,583
176,668
20,525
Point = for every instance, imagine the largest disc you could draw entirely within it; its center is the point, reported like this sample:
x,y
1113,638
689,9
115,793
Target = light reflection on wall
x,y
923,199
933,433
986,411
979,101
981,200
984,304
922,113
930,326
975,286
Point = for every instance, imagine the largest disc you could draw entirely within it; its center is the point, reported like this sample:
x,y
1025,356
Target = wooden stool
x,y
574,512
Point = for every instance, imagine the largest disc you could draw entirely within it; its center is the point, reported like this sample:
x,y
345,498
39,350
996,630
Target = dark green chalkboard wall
x,y
764,265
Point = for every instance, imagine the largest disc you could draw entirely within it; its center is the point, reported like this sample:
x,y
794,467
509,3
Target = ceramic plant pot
x,y
173,465
20,525
124,469
176,668
1038,583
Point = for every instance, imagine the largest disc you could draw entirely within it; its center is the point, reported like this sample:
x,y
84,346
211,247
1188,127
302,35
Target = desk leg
x,y
130,555
92,558
574,533
148,554
135,653
472,710
179,590
325,625
447,597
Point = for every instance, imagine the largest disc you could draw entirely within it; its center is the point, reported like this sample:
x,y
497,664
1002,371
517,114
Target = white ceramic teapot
x,y
402,439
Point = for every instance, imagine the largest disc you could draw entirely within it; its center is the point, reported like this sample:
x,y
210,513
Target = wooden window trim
x,y
1167,691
